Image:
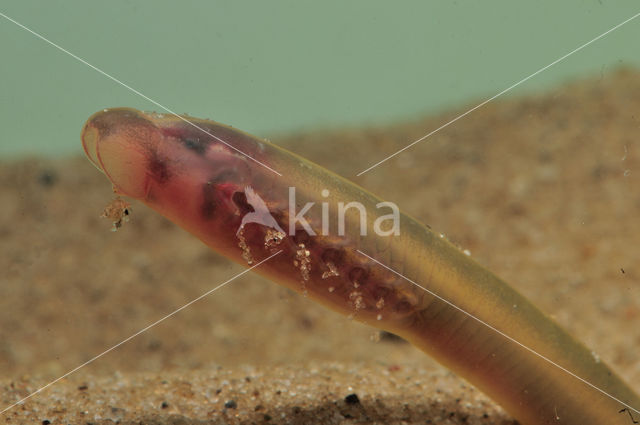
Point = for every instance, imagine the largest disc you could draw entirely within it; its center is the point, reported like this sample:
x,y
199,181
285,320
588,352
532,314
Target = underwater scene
x,y
319,213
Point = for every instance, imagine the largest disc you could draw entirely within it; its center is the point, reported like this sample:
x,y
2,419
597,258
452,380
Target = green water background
x,y
269,67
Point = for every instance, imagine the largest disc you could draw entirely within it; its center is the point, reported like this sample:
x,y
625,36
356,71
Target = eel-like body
x,y
199,175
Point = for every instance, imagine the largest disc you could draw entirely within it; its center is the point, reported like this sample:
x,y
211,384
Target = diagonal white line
x,y
577,49
79,59
501,333
136,334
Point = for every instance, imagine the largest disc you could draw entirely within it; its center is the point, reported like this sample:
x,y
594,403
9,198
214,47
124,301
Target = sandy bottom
x,y
542,190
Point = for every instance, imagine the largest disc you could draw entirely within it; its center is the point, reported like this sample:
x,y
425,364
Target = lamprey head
x,y
123,143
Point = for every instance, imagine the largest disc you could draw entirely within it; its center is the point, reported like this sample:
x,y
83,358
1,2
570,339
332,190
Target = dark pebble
x,y
47,178
352,399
